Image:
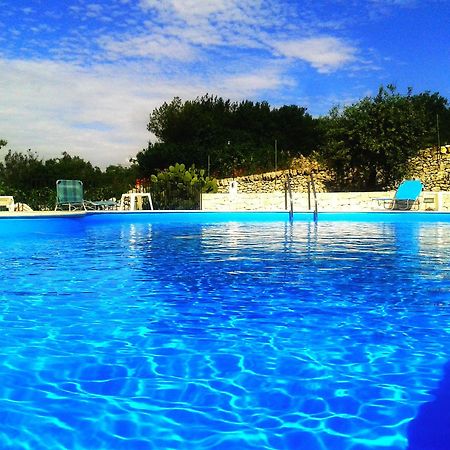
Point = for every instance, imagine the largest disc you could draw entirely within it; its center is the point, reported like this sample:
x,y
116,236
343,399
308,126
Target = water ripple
x,y
222,336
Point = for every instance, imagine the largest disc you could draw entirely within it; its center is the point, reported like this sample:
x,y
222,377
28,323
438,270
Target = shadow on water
x,y
430,429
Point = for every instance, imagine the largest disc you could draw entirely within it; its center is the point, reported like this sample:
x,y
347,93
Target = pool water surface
x,y
128,334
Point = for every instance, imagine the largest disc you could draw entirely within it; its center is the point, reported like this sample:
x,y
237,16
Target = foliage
x,y
180,188
114,181
368,143
437,118
230,137
31,180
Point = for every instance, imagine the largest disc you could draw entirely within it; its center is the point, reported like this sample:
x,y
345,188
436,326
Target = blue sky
x,y
83,76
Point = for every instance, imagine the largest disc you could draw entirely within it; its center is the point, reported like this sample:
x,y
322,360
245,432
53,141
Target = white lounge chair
x,y
7,201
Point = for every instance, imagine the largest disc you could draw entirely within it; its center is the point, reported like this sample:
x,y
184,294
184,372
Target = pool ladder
x,y
288,192
312,187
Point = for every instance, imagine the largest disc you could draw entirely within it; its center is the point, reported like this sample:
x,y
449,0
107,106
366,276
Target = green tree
x,y
23,176
3,143
31,180
22,171
437,118
159,155
231,136
368,143
297,131
72,167
117,180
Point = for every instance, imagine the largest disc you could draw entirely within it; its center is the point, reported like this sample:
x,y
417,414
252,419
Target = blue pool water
x,y
152,332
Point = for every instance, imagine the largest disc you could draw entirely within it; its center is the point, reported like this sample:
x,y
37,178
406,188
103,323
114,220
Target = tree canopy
x,y
233,137
368,143
32,180
437,118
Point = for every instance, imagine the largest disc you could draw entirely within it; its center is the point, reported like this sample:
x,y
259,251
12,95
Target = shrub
x,y
178,188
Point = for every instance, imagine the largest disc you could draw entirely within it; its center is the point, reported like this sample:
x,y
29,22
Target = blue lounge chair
x,y
405,198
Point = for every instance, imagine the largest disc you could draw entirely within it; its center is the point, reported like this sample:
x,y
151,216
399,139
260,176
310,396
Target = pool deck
x,y
339,203
75,214
19,214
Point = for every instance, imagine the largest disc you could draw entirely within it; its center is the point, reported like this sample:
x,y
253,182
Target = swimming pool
x,y
158,331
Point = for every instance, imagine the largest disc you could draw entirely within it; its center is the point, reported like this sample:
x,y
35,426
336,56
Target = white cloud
x,y
93,94
183,30
214,22
190,9
94,10
323,53
254,82
194,8
54,107
188,28
157,47
407,3
100,113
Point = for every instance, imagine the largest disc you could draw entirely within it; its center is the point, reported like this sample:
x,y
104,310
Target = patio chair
x,y
405,198
101,205
69,195
7,202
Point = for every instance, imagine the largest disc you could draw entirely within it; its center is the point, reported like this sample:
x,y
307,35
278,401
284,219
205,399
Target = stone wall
x,y
275,181
432,166
266,191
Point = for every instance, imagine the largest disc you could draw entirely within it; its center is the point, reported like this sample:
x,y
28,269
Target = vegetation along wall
x,y
431,165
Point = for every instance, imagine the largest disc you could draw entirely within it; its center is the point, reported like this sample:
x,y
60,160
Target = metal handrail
x,y
313,185
288,191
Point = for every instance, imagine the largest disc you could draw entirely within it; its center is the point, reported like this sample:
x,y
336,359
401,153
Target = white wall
x,y
329,201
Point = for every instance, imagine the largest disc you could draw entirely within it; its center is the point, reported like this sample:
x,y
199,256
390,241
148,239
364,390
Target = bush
x,y
178,188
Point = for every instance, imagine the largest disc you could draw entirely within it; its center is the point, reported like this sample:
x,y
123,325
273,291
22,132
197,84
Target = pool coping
x,y
31,214
322,215
17,214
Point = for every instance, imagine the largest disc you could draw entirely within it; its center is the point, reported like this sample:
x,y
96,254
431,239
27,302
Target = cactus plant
x,y
180,188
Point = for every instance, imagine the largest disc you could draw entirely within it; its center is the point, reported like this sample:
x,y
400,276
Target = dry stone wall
x,y
432,166
275,181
